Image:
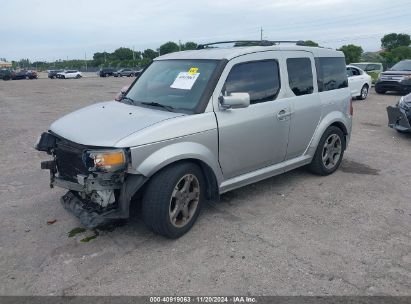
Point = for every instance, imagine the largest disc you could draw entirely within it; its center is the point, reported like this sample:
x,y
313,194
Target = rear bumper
x,y
397,119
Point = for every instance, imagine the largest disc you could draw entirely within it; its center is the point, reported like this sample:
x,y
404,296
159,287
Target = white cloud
x,y
56,29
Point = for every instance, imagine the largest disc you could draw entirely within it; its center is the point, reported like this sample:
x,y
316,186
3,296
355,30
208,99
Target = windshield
x,y
402,66
176,84
362,66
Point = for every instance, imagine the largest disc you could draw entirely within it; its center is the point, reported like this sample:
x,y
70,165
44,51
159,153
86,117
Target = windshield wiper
x,y
156,104
130,100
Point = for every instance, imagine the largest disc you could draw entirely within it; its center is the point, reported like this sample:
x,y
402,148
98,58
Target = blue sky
x,y
51,30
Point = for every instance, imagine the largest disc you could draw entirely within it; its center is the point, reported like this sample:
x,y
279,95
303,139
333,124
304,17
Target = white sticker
x,y
184,81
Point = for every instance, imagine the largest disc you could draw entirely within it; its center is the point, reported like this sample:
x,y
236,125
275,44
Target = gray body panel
x,y
104,124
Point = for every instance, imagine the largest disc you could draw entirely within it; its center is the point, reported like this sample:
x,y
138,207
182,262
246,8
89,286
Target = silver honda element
x,y
197,124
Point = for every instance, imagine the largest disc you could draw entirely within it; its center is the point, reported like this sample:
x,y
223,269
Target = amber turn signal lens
x,y
109,161
102,160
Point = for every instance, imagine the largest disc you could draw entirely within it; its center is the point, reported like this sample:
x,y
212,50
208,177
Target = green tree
x,y
149,54
310,43
190,45
352,53
123,54
401,53
169,47
393,40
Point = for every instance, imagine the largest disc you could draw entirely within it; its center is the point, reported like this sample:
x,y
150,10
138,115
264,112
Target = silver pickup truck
x,y
197,124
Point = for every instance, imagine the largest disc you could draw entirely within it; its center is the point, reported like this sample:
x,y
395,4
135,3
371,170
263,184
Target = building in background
x,y
5,64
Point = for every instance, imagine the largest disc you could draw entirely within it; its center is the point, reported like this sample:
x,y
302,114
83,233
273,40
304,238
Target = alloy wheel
x,y
331,151
184,200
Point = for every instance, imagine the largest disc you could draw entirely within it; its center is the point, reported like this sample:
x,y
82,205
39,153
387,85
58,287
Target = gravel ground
x,y
294,234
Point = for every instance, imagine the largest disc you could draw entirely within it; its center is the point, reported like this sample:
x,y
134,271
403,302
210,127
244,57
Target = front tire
x,y
329,153
173,198
379,91
364,92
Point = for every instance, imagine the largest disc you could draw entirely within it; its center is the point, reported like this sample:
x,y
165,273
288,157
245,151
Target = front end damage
x,y
399,116
100,190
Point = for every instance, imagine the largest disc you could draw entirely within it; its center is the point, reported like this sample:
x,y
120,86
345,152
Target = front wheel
x,y
329,153
364,92
173,198
379,91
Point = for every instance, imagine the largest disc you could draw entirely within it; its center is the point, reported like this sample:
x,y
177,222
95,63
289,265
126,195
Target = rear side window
x,y
260,79
300,76
331,73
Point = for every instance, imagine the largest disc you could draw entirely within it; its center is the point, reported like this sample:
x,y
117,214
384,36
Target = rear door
x,y
355,81
254,137
304,100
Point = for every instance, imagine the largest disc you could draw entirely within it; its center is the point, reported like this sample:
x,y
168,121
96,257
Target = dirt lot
x,y
294,234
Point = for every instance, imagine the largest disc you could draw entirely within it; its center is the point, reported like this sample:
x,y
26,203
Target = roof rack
x,y
251,43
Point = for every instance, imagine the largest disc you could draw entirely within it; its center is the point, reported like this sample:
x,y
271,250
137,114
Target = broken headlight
x,y
106,160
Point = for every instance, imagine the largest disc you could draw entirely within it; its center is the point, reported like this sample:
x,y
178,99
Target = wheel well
x,y
212,191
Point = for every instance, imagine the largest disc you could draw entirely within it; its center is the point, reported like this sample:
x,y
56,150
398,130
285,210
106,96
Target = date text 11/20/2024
x,y
205,299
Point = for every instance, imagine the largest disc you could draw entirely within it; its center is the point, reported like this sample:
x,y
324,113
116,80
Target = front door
x,y
254,137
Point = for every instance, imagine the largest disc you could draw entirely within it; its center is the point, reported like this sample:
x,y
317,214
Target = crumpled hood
x,y
104,124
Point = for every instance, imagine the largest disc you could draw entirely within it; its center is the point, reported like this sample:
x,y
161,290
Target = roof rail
x,y
251,43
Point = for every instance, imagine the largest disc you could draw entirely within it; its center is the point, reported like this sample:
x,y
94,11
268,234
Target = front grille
x,y
388,77
69,158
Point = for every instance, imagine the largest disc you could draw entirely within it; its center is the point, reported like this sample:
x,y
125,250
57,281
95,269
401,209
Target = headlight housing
x,y
106,160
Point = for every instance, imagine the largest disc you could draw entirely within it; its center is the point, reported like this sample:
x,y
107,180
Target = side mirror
x,y
235,101
121,94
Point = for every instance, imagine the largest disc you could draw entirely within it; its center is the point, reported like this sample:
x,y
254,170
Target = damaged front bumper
x,y
398,119
96,198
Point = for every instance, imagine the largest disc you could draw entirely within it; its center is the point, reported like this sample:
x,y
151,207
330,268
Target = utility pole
x,y
179,45
85,59
261,34
134,54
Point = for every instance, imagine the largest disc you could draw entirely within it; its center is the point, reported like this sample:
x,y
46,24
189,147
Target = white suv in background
x,y
69,74
359,82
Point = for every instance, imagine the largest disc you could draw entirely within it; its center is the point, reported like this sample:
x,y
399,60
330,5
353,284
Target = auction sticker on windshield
x,y
184,80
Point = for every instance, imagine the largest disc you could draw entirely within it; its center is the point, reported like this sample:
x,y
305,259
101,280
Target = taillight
x,y
351,108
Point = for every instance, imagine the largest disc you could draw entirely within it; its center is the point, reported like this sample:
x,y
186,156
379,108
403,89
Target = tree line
x,y
395,47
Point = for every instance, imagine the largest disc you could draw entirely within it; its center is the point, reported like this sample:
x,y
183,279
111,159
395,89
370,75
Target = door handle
x,y
283,114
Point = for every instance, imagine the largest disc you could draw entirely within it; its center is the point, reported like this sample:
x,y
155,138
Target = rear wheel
x,y
364,92
329,153
172,200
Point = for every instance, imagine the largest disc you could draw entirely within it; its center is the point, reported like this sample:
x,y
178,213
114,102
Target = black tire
x,y
379,91
364,92
132,75
317,165
63,77
157,199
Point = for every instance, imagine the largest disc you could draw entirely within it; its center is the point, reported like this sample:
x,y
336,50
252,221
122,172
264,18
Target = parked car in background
x,y
399,116
53,73
106,72
124,72
24,74
6,74
359,82
30,74
398,79
197,124
69,74
374,69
